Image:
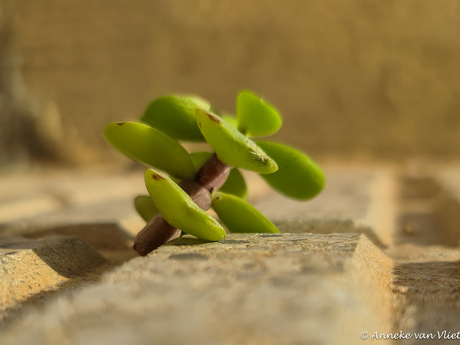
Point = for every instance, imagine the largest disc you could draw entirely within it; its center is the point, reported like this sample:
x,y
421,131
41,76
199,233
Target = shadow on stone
x,y
429,214
32,268
102,236
424,290
72,258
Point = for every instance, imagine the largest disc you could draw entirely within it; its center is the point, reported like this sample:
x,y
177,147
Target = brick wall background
x,y
376,79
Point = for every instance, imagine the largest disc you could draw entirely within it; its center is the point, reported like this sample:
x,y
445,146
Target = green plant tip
x,y
175,116
232,147
255,117
240,216
151,147
298,176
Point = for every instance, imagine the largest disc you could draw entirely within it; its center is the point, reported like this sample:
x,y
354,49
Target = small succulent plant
x,y
189,184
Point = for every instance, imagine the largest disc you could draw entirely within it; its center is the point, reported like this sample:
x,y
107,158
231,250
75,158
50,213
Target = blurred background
x,y
362,85
358,79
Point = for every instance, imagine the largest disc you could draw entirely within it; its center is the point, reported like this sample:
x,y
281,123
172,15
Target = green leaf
x,y
235,184
175,116
255,117
145,207
232,147
297,176
199,158
150,146
240,216
179,210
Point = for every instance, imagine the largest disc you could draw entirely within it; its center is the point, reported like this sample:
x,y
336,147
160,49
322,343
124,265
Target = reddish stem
x,y
211,176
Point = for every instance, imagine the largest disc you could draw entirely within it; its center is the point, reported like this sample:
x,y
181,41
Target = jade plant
x,y
182,186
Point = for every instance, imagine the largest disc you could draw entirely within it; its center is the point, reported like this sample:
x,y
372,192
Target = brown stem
x,y
157,232
211,176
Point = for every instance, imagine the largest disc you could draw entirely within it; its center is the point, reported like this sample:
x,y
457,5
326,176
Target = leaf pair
x,y
175,116
235,185
180,211
186,118
232,147
284,168
154,148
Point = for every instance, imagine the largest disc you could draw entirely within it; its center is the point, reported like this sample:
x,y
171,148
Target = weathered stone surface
x,y
327,226
29,267
246,289
354,200
322,284
109,239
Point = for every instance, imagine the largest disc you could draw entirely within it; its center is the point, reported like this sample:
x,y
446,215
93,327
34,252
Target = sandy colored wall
x,y
359,77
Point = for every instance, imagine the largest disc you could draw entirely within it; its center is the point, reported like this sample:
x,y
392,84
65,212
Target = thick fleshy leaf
x,y
297,176
199,158
151,147
255,117
145,207
240,216
235,184
178,208
175,116
232,147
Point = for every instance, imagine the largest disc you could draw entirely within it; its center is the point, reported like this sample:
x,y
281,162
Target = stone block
x,y
245,289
